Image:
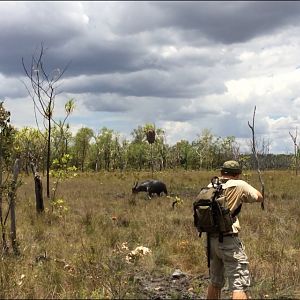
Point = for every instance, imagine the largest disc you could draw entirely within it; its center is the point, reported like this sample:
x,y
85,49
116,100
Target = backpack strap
x,y
221,237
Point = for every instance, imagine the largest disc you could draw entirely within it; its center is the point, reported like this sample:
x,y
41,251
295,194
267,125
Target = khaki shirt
x,y
237,192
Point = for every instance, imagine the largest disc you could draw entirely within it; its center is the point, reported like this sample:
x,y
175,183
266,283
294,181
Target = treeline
x,y
106,150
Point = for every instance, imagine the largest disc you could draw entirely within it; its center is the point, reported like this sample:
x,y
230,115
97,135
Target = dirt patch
x,y
176,286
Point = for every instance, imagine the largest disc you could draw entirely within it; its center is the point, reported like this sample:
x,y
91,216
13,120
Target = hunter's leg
x,y
216,272
236,267
239,295
213,292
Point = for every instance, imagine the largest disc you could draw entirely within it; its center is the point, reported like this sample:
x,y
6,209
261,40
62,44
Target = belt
x,y
231,234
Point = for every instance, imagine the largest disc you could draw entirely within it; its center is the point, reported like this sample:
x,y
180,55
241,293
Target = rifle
x,y
208,250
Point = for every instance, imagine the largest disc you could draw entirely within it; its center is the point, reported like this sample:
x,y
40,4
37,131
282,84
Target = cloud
x,y
184,66
11,87
25,25
177,131
227,22
177,83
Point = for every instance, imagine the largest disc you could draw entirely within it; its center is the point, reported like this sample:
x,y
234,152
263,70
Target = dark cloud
x,y
159,109
25,25
168,62
11,88
75,40
232,22
100,58
108,103
177,82
225,22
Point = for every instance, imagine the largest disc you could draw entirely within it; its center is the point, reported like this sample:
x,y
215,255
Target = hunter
x,y
227,258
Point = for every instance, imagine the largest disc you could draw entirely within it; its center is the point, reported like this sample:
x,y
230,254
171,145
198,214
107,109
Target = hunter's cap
x,y
231,166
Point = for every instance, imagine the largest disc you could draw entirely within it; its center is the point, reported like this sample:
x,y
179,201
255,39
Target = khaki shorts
x,y
229,260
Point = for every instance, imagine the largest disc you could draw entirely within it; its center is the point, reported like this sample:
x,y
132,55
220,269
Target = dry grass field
x,y
80,248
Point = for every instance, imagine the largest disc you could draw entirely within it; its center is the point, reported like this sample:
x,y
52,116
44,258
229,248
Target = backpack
x,y
211,214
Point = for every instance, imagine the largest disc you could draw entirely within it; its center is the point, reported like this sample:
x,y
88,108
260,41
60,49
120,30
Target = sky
x,y
182,66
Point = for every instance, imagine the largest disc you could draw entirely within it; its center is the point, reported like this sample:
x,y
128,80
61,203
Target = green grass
x,y
77,253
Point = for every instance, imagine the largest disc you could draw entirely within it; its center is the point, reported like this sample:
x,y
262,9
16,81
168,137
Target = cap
x,y
231,166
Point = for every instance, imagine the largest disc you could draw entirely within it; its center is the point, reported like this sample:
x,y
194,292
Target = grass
x,y
78,249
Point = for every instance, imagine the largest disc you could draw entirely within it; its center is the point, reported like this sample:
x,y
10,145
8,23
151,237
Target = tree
x,y
11,197
205,148
81,146
61,138
136,154
43,90
138,135
181,153
30,143
5,145
137,150
161,149
8,187
105,144
296,150
117,155
123,154
227,149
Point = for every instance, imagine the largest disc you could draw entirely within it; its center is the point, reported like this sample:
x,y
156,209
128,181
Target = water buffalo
x,y
151,187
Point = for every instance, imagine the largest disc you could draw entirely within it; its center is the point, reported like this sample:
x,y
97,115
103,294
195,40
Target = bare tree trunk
x,y
4,242
48,157
294,138
256,159
152,167
12,196
38,193
38,186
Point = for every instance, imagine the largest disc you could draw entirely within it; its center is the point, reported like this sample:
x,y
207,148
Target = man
x,y
228,257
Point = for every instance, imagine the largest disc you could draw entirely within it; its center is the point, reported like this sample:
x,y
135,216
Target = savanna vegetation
x,y
70,226
78,242
79,246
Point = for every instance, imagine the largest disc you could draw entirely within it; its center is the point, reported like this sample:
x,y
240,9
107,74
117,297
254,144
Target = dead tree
x,y
296,148
256,158
43,90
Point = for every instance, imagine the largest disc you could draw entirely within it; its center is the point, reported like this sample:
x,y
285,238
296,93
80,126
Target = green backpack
x,y
211,214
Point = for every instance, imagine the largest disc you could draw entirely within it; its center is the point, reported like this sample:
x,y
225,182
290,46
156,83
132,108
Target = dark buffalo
x,y
151,187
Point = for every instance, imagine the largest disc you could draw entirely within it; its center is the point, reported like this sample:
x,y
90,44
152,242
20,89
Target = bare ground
x,y
176,286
